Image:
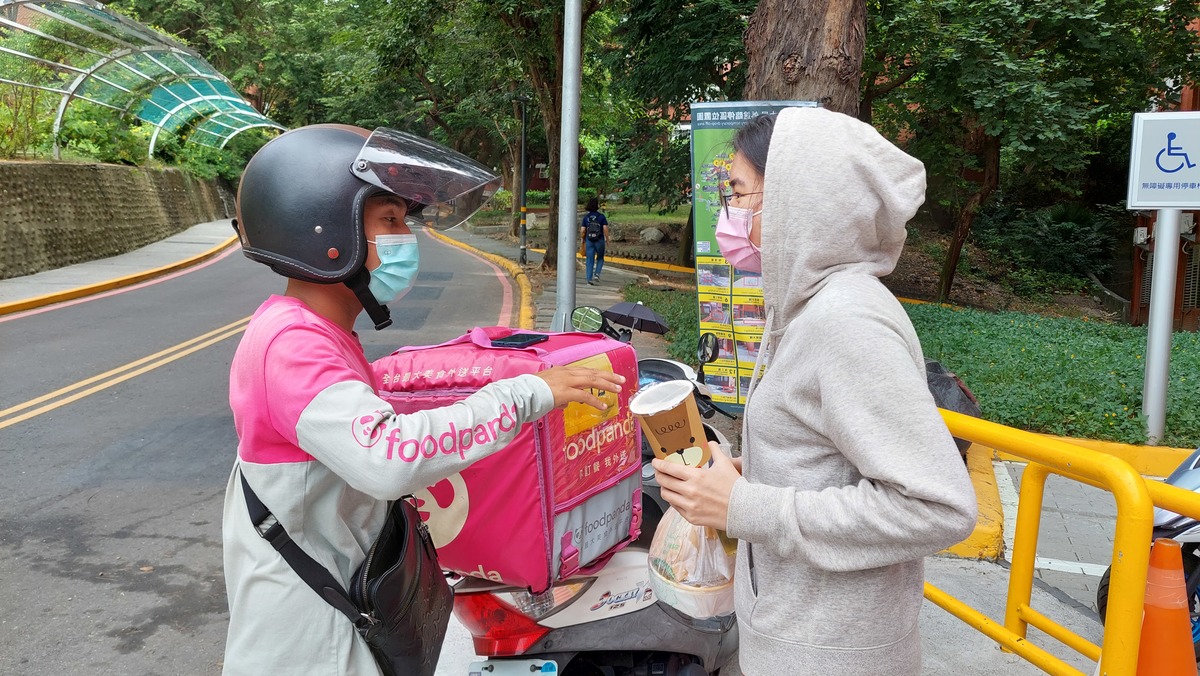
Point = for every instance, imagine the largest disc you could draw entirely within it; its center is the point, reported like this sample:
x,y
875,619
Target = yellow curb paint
x,y
667,267
987,540
101,287
525,317
1147,460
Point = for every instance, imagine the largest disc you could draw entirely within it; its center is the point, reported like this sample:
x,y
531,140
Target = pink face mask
x,y
733,238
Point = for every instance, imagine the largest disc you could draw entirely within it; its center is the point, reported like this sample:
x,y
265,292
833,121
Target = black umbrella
x,y
637,317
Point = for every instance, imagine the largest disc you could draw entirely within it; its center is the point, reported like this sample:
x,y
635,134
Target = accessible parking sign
x,y
1164,164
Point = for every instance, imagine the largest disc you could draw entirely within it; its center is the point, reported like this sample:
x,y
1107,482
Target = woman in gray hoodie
x,y
848,476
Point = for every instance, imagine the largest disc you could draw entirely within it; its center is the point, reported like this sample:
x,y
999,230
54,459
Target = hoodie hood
x,y
836,198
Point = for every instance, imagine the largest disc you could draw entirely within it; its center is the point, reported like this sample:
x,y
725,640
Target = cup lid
x,y
660,397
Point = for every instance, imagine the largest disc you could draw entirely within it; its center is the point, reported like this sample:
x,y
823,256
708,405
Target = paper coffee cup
x,y
671,422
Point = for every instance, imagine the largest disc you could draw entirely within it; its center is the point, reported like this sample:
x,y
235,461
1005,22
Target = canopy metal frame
x,y
168,97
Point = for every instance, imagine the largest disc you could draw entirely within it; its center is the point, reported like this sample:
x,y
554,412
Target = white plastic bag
x,y
691,567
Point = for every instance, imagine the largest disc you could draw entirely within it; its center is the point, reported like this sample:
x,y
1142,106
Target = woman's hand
x,y
575,384
700,494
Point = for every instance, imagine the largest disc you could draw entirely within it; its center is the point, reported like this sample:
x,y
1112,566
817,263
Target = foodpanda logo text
x,y
453,441
620,515
600,435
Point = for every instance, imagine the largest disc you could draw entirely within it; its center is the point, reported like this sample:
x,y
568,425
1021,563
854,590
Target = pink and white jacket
x,y
326,454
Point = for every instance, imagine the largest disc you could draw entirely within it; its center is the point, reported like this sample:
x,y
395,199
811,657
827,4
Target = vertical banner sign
x,y
731,301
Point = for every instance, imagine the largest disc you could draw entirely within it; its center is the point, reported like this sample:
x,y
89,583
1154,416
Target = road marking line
x,y
1009,501
120,374
1092,569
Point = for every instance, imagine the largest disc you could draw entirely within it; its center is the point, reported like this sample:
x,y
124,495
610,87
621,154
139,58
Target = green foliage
x,y
658,166
99,133
541,198
663,56
598,164
1052,85
643,215
1040,285
1070,377
502,201
1067,239
25,120
1061,376
670,54
680,310
1049,249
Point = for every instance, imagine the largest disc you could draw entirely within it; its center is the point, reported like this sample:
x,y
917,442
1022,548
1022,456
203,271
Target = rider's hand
x,y
737,463
576,384
700,494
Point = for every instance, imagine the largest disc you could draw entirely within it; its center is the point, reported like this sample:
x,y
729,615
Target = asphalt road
x,y
111,488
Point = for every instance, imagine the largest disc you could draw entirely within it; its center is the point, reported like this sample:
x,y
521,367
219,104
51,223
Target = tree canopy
x,y
1025,101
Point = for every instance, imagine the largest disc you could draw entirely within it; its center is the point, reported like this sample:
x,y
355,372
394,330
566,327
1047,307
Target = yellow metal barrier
x,y
1131,546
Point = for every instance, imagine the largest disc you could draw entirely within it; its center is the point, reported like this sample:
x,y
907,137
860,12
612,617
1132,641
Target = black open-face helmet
x,y
301,197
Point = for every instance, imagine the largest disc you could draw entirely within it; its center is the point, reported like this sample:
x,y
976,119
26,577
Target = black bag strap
x,y
314,574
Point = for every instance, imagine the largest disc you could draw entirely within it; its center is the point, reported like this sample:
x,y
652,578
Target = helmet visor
x,y
448,186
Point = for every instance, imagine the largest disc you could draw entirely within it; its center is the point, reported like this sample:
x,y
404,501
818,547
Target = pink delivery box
x,y
559,500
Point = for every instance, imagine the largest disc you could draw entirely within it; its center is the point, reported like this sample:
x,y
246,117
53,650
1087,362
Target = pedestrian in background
x,y
848,476
595,235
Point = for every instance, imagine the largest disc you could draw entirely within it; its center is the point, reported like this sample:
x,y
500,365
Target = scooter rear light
x,y
497,628
541,606
504,623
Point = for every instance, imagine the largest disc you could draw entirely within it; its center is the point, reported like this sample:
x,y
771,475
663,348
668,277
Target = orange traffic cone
x,y
1166,645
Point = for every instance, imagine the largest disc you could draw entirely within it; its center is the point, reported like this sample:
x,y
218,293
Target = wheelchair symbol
x,y
1173,151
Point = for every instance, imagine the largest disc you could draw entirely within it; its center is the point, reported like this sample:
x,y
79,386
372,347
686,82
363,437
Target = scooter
x,y
1183,529
609,623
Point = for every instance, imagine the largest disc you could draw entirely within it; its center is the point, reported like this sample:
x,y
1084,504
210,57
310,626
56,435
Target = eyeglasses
x,y
726,197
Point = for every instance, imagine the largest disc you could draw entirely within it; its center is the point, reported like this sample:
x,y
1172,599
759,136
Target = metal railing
x,y
1135,498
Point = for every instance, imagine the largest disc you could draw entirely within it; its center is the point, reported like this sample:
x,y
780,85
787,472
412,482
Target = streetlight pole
x,y
524,163
568,163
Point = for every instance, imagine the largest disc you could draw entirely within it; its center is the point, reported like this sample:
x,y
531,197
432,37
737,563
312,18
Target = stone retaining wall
x,y
54,214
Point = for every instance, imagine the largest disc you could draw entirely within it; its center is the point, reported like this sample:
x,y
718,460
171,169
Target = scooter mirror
x,y
706,350
588,318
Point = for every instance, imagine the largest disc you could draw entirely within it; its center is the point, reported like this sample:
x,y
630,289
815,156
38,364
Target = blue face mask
x,y
398,262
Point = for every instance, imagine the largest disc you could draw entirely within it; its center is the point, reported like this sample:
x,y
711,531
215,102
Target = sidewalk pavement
x,y
177,252
1083,533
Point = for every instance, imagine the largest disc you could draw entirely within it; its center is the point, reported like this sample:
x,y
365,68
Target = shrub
x,y
541,198
1067,239
501,201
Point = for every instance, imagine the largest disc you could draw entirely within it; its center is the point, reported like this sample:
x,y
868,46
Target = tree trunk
x,y
806,50
687,248
990,154
514,210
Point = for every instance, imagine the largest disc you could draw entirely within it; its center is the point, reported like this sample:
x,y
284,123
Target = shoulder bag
x,y
399,601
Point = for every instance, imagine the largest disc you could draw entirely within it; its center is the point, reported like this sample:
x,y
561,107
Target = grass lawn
x,y
1065,376
637,215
